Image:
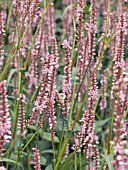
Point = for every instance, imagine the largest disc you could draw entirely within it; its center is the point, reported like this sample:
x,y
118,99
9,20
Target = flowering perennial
x,y
36,159
22,122
66,85
63,84
119,93
5,121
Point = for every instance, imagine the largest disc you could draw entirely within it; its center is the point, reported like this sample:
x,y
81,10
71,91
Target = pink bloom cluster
x,y
87,137
48,92
33,76
52,117
2,168
2,32
5,121
120,93
66,84
22,122
68,20
80,37
119,53
36,159
50,22
103,103
91,29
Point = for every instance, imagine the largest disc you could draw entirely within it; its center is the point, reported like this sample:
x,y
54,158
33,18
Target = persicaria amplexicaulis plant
x,y
5,120
63,84
36,159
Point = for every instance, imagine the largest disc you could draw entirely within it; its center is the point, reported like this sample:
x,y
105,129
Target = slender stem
x,y
61,139
110,131
28,160
31,139
53,153
9,14
61,152
75,162
74,87
17,109
79,87
18,156
80,158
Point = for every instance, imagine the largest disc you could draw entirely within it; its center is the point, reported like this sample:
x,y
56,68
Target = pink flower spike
x,y
22,115
66,84
5,122
52,118
2,168
36,159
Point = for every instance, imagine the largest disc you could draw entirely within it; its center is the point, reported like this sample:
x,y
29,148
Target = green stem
x,y
28,159
31,139
110,131
61,139
74,87
80,158
17,108
9,15
79,87
72,106
61,153
53,153
75,162
18,156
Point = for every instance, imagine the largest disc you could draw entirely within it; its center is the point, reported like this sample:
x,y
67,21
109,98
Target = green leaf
x,y
66,10
106,39
10,161
47,136
108,159
33,127
62,123
76,128
49,167
101,122
58,14
43,161
67,162
100,39
34,94
86,10
61,152
11,74
49,151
